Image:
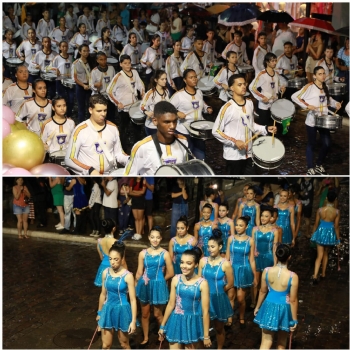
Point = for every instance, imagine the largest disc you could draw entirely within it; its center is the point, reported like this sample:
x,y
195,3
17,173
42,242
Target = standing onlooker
x,y
125,15
20,207
138,189
56,185
68,204
124,204
95,203
31,210
149,201
180,205
110,197
175,25
307,188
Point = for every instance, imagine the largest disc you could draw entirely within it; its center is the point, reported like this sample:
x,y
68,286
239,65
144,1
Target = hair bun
x,y
118,244
217,233
198,251
247,218
183,218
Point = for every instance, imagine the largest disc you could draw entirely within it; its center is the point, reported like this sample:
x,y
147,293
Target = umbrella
x,y
344,31
216,9
195,10
276,17
313,24
239,15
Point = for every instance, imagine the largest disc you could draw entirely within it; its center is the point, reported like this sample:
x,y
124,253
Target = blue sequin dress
x,y
178,249
220,307
151,287
325,233
283,222
104,264
226,232
204,233
251,212
185,324
275,312
239,257
263,249
296,209
116,310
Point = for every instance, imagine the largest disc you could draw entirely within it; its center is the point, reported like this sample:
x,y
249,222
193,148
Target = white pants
x,y
68,210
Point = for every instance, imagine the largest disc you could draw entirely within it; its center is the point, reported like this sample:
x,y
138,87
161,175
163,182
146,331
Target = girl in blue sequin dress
x,y
183,241
186,318
225,225
114,310
298,208
203,229
218,272
326,233
278,312
210,196
250,208
286,219
151,286
240,252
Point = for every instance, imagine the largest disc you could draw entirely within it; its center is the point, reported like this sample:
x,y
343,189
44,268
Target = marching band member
x,y
36,110
209,45
122,91
95,146
71,19
315,97
28,48
239,46
157,93
328,65
81,72
87,19
105,43
197,60
102,22
165,38
119,34
60,33
221,79
11,21
259,53
190,104
79,38
163,148
19,91
235,125
187,41
173,71
269,83
45,25
57,130
140,35
6,82
100,78
132,49
8,50
28,24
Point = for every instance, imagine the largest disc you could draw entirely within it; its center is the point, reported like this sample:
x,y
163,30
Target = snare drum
x,y
203,129
192,167
330,122
117,172
282,109
267,155
70,83
13,62
112,61
34,72
17,34
48,76
137,117
336,88
207,85
246,69
297,83
137,66
58,158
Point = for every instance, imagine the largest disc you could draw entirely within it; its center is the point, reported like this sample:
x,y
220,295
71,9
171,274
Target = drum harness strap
x,y
199,60
160,153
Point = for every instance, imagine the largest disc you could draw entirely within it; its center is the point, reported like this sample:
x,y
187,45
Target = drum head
x,y
168,170
135,108
69,81
246,68
14,60
117,172
202,125
206,83
112,60
283,108
264,150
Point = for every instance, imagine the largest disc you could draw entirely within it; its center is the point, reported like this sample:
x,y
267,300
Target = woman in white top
x,y
138,31
95,203
133,49
8,51
173,71
315,97
28,24
36,110
104,44
190,105
79,38
11,21
157,93
103,22
119,34
58,34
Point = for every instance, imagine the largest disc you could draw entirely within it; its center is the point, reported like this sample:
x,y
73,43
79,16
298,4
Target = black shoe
x,y
322,277
99,333
144,346
314,281
242,325
64,231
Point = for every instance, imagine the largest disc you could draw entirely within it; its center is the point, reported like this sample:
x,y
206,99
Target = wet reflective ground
x,y
49,300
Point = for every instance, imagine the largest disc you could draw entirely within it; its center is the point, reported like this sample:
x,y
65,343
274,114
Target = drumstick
x,y
304,110
282,92
252,138
338,108
273,134
295,70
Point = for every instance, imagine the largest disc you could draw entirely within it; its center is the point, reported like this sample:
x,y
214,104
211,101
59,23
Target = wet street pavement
x,y
50,301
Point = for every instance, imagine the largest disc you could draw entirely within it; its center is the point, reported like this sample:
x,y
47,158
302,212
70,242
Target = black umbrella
x,y
344,31
276,17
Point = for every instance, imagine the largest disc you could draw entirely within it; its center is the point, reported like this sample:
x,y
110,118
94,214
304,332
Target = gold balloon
x,y
23,149
20,126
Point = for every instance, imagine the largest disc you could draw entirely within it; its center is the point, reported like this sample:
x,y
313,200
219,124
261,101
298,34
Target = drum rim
x,y
201,121
190,161
276,116
112,58
265,161
167,166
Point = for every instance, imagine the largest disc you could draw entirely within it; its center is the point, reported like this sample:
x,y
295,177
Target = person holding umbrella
x,y
314,49
283,35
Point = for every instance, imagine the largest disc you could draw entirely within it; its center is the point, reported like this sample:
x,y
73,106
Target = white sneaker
x,y
97,234
59,224
137,237
93,233
59,227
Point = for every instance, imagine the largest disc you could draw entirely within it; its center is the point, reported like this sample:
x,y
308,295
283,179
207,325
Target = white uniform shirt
x,y
6,82
258,58
124,89
165,40
144,159
240,50
44,60
29,50
284,62
44,28
77,40
14,96
88,21
71,21
151,98
222,78
8,50
281,38
133,51
105,78
64,65
24,29
84,150
95,196
172,68
119,33
231,123
111,201
191,104
191,61
81,71
210,50
347,109
9,24
269,85
139,34
35,114
55,135
329,69
311,94
57,35
154,56
186,43
101,24
106,47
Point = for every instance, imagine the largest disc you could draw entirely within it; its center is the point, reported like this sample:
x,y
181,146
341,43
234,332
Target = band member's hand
x,y
95,172
342,79
311,107
149,114
86,87
292,329
285,71
207,343
272,129
58,72
37,66
256,310
120,106
338,105
149,64
265,100
98,85
161,335
181,115
225,87
211,64
283,89
240,144
248,62
210,110
132,328
22,58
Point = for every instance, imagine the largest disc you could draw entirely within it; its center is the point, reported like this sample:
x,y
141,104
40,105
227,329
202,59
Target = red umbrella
x,y
313,24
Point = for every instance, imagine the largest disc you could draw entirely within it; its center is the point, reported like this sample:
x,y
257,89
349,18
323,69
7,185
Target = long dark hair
x,y
158,73
324,86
